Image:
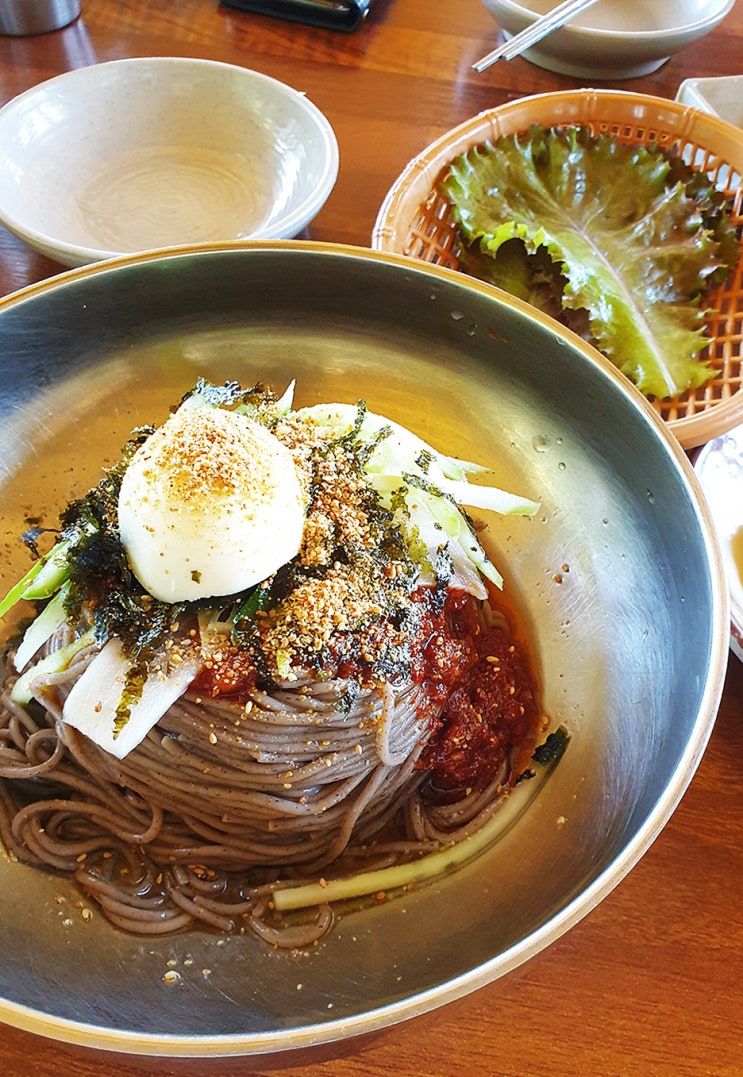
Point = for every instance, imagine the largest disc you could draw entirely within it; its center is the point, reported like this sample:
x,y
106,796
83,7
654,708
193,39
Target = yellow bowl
x,y
416,218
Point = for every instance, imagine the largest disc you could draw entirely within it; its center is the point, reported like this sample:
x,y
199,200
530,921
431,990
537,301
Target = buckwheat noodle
x,y
222,799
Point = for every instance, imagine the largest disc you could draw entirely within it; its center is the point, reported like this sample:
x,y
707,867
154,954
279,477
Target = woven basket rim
x,y
695,417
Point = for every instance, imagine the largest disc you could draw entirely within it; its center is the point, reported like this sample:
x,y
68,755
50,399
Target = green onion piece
x,y
434,864
55,569
53,663
258,599
42,580
16,593
45,625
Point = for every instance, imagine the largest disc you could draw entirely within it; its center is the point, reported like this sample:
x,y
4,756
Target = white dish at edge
x,y
722,96
719,467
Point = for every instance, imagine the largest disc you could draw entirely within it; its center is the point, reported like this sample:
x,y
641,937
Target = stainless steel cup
x,y
19,17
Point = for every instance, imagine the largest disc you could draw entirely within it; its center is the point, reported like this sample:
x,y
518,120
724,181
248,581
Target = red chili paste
x,y
476,680
231,673
484,681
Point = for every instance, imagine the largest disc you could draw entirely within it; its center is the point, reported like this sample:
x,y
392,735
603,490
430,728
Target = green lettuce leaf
x,y
531,277
635,239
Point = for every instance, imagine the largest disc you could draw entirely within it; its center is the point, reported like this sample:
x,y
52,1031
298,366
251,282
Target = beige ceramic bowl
x,y
155,152
614,39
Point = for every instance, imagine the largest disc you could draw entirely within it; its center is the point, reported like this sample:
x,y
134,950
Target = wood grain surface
x,y
651,981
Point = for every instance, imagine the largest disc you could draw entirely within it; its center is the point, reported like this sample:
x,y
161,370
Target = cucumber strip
x,y
489,497
214,623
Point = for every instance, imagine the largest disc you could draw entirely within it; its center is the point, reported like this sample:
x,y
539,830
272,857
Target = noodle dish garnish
x,y
267,669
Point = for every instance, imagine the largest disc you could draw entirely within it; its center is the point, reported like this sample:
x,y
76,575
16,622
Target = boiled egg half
x,y
211,504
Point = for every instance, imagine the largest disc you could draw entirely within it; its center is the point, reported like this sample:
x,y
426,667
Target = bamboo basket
x,y
415,219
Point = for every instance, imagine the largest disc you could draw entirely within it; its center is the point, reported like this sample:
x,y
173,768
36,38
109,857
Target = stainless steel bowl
x,y
618,577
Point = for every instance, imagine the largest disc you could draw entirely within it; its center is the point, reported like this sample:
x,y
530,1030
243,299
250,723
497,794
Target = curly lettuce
x,y
633,236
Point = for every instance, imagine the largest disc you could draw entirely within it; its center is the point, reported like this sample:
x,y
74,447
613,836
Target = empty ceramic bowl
x,y
614,39
155,152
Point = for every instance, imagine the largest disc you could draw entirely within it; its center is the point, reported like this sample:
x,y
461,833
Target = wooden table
x,y
651,982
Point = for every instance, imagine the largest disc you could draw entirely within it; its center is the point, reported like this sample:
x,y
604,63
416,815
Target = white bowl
x,y
615,39
149,153
721,96
719,468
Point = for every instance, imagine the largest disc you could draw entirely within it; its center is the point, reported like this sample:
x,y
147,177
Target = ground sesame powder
x,y
205,450
353,568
